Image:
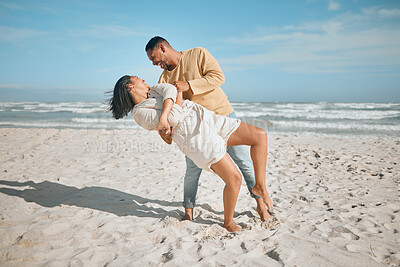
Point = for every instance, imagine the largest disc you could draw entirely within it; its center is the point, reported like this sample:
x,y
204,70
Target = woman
x,y
199,133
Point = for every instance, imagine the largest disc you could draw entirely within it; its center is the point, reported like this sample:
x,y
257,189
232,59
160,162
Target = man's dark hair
x,y
121,102
154,42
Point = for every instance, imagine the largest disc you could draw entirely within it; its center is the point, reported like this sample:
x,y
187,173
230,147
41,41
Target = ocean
x,y
335,119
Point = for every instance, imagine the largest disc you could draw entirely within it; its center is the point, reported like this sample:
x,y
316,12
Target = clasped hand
x,y
181,86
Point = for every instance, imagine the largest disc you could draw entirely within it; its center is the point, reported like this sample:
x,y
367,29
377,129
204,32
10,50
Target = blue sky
x,y
294,51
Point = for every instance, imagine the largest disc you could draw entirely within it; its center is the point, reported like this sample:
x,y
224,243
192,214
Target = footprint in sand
x,y
344,232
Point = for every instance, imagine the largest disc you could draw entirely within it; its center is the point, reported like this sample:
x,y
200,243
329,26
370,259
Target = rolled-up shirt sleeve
x,y
165,90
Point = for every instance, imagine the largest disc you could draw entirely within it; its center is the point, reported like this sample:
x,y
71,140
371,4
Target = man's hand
x,y
181,86
164,130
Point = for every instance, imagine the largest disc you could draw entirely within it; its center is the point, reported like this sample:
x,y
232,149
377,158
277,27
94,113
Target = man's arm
x,y
212,75
179,98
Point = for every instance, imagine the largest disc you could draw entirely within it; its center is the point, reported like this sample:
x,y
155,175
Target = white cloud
x,y
84,47
105,31
13,6
381,12
347,43
102,71
11,34
333,5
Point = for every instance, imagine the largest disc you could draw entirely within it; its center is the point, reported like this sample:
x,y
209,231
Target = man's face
x,y
157,56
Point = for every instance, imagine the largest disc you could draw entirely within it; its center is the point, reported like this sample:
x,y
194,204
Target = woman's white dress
x,y
198,132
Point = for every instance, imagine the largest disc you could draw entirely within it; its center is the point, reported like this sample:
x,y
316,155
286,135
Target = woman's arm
x,y
169,95
163,127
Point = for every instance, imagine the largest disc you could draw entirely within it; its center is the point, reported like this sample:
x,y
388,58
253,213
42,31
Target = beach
x,y
96,197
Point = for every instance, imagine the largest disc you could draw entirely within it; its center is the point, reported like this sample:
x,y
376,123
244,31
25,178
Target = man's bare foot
x,y
232,227
188,214
262,192
262,210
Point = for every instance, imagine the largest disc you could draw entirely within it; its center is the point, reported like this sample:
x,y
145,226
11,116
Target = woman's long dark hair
x,y
121,103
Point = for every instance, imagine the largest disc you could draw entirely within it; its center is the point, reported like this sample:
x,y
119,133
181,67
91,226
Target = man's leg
x,y
190,185
241,156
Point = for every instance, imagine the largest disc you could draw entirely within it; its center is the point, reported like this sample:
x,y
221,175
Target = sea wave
x,y
372,119
367,105
320,114
45,124
333,126
73,107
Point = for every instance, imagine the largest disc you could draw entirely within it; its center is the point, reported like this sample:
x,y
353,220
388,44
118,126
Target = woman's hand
x,y
164,130
163,127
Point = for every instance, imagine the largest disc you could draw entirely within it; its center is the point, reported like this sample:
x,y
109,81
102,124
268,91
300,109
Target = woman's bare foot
x,y
232,227
262,192
262,210
188,214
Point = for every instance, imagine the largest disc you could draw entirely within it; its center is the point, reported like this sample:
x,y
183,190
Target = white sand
x,y
96,197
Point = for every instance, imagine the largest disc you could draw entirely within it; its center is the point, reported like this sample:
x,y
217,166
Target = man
x,y
197,74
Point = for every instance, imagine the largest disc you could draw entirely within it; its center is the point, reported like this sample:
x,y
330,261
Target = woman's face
x,y
137,82
138,86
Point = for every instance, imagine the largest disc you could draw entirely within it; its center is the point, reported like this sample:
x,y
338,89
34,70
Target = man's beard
x,y
168,67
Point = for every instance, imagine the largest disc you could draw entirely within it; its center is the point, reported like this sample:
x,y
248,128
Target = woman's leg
x,y
256,138
226,169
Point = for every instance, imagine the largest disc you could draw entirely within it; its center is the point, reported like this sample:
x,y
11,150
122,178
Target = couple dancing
x,y
189,107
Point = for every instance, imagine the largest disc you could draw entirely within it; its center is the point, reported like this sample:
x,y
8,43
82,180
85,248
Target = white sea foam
x,y
11,104
73,107
332,125
43,124
320,114
366,105
104,120
252,113
300,106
